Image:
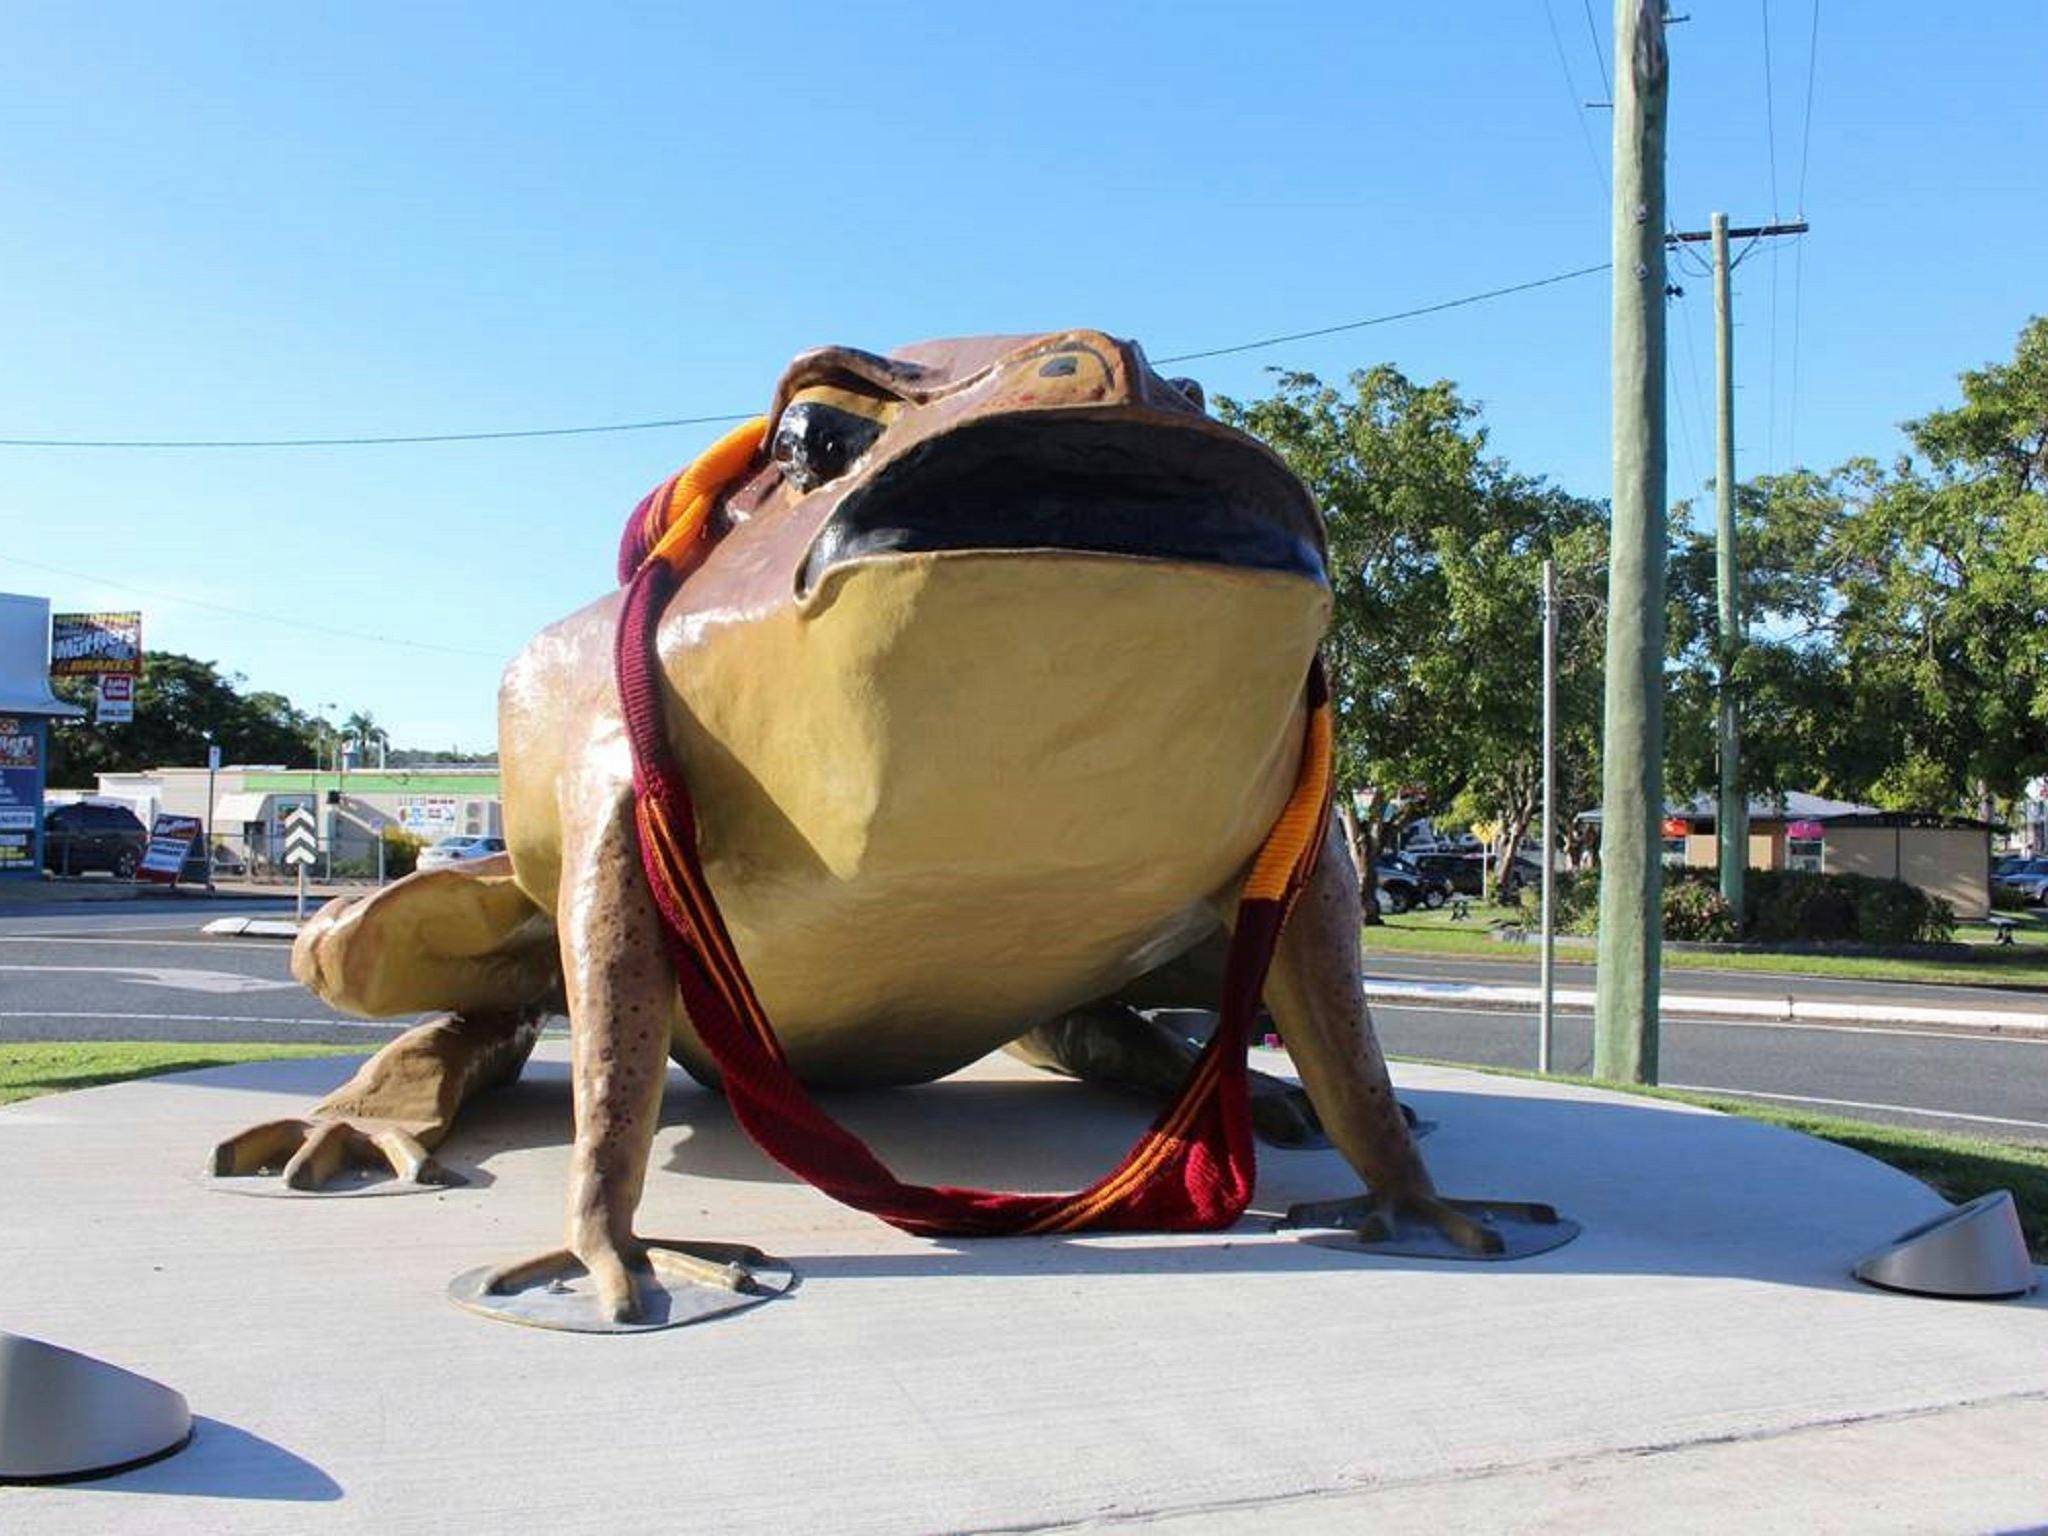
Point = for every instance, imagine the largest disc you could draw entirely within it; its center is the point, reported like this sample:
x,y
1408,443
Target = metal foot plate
x,y
1525,1228
346,1184
679,1285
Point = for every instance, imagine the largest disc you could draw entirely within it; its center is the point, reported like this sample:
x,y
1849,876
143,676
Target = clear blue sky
x,y
277,220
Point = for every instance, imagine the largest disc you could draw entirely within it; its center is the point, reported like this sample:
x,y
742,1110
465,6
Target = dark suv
x,y
82,837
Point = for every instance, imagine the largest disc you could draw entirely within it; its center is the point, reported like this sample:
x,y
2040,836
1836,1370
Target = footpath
x,y
2025,1017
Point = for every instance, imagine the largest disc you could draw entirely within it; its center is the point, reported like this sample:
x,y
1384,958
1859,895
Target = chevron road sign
x,y
301,842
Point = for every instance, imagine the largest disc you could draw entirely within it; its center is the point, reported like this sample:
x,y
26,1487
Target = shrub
x,y
401,851
2005,899
1576,898
1779,906
1696,912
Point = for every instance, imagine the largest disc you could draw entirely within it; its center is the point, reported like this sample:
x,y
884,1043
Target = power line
x,y
694,421
1401,314
1799,249
250,613
1806,129
1684,417
1599,53
1771,147
359,442
1770,112
1798,290
1571,90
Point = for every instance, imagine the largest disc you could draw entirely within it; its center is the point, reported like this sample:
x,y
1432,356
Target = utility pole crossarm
x,y
1751,232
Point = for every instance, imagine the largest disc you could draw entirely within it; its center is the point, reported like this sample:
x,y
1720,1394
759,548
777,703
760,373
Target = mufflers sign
x,y
95,644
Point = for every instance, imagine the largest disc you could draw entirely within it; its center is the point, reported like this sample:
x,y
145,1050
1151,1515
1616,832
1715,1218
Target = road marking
x,y
326,1020
177,978
139,943
1975,1035
1896,1109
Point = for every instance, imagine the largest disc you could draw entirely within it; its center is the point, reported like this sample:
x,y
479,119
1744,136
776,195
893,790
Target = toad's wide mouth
x,y
1138,489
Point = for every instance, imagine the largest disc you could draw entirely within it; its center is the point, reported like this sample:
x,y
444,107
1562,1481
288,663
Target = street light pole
x,y
1543,1032
212,767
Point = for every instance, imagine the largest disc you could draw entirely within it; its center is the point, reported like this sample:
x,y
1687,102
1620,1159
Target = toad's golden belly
x,y
950,795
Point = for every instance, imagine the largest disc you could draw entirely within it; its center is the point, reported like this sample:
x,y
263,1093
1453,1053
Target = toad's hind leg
x,y
1111,1044
1315,994
464,939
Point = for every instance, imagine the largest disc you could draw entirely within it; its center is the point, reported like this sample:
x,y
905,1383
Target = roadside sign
x,y
170,841
301,841
21,793
213,759
114,700
89,644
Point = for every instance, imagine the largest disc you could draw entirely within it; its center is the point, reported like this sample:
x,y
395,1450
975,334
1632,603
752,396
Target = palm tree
x,y
362,729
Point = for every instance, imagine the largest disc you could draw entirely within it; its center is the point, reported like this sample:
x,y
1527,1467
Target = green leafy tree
x,y
181,704
1435,555
1899,614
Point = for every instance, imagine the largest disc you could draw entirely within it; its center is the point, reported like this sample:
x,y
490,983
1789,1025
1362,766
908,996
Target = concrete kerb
x,y
1480,995
1781,1010
252,928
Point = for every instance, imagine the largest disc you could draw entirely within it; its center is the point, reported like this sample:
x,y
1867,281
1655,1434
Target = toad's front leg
x,y
621,991
1316,995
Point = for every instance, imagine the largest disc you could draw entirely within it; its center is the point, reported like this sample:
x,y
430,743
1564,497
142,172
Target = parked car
x,y
84,837
1407,884
1466,872
460,850
2006,864
2030,880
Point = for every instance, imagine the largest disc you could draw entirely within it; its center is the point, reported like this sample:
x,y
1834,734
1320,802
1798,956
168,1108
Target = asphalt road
x,y
1518,967
144,971
136,971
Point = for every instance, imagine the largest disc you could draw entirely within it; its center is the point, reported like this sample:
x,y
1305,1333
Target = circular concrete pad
x,y
1195,1383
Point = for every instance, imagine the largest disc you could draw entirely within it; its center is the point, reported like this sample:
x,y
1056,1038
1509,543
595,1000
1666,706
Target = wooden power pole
x,y
1731,820
1632,745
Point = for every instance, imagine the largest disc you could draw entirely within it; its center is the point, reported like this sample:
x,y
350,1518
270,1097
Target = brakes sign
x,y
170,840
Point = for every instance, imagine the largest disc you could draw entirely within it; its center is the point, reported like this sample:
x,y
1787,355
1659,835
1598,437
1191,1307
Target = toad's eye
x,y
815,441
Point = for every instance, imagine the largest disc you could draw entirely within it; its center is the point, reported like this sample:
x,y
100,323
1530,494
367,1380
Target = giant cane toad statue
x,y
968,701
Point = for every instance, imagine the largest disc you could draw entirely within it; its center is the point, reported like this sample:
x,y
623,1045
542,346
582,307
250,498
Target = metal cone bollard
x,y
1976,1250
64,1415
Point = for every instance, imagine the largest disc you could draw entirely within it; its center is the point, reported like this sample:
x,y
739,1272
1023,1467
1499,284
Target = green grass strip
x,y
2020,966
28,1070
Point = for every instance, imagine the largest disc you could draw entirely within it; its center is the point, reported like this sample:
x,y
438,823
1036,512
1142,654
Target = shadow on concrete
x,y
223,1462
1660,1189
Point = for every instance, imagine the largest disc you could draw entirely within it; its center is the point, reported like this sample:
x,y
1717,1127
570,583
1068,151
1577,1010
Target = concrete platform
x,y
1699,1357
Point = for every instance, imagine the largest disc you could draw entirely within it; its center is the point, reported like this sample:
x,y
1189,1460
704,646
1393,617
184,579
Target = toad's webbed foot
x,y
619,1274
398,1106
1422,1224
312,1153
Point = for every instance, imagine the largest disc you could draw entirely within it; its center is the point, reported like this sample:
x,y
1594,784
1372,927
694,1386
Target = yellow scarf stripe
x,y
698,486
1292,842
1159,1146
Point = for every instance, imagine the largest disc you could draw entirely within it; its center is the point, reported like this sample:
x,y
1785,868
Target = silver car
x,y
460,850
